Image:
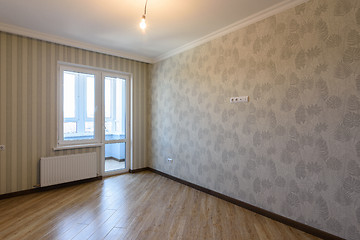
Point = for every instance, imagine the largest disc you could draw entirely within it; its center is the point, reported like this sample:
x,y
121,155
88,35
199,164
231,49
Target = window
x,y
78,105
93,106
79,101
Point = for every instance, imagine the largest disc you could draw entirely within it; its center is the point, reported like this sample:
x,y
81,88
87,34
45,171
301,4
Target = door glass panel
x,y
115,106
115,156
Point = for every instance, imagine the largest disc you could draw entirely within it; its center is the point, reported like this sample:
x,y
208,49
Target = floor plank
x,y
134,206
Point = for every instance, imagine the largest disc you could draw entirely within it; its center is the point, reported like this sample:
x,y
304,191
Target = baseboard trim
x,y
42,189
139,170
300,226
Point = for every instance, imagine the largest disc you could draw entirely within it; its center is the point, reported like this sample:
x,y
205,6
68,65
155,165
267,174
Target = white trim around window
x,y
95,139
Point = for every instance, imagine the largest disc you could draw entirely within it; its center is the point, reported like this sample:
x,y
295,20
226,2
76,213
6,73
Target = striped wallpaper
x,y
28,105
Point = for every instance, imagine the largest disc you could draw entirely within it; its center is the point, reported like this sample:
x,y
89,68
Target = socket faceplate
x,y
239,99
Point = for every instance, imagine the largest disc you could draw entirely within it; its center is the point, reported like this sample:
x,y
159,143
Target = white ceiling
x,y
112,26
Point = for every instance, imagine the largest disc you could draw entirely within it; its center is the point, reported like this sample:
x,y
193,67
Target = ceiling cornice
x,y
271,11
280,7
71,43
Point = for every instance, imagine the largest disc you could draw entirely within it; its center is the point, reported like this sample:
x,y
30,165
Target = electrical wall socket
x,y
239,99
2,147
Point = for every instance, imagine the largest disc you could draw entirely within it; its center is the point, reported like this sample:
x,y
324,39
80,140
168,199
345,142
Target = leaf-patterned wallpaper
x,y
294,148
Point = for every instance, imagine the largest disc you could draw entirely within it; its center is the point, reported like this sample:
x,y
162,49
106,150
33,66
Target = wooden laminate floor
x,y
134,206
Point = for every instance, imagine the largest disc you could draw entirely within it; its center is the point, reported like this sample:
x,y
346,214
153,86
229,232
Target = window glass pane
x,y
79,106
89,127
119,106
90,95
69,95
107,97
108,127
69,127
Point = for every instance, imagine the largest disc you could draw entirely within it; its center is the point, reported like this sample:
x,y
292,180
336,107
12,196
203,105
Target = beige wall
x,y
28,96
294,149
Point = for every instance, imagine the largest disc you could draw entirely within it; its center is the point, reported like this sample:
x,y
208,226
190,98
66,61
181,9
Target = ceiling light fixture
x,y
143,19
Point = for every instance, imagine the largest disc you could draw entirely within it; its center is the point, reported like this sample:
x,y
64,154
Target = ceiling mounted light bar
x,y
143,19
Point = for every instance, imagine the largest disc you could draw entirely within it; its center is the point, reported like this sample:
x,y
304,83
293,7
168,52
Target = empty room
x,y
158,119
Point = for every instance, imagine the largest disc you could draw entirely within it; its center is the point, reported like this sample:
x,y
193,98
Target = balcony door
x,y
116,123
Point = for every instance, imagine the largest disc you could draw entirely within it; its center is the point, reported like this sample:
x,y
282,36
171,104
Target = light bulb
x,y
143,23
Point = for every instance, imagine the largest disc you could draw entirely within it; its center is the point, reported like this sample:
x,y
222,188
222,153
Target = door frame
x,y
128,118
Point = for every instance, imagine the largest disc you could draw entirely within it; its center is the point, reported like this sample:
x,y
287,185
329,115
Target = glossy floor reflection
x,y
134,206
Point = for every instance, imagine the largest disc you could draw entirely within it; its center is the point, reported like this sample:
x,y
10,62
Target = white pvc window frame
x,y
99,115
66,67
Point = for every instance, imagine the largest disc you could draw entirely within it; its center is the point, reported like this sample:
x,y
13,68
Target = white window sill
x,y
88,145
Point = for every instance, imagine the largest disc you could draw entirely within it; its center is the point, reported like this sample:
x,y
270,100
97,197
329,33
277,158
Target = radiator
x,y
68,168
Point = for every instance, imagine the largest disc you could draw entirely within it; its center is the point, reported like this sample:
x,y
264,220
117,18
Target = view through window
x,y
94,110
78,105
